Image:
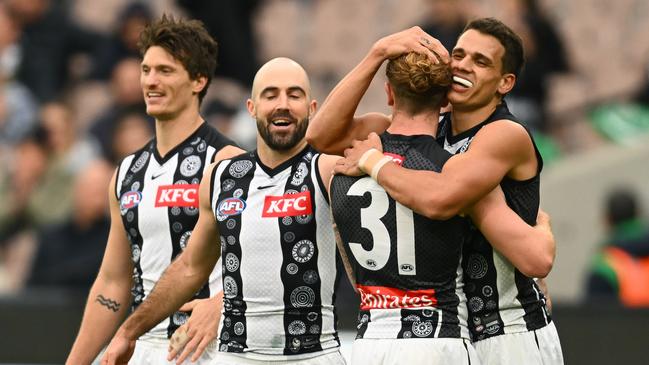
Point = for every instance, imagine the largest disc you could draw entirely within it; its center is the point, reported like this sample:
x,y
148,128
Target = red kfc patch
x,y
185,195
287,205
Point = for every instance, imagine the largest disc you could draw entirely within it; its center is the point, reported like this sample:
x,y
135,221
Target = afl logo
x,y
230,206
129,200
407,267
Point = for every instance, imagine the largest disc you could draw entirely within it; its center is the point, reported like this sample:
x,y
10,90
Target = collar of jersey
x,y
281,167
162,159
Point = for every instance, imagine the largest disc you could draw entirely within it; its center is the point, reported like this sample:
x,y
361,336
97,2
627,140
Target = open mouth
x,y
281,123
462,82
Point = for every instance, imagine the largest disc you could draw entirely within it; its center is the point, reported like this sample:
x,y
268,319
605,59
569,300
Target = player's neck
x,y
170,133
466,118
408,125
272,158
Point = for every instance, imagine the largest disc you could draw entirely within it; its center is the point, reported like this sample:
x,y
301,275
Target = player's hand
x,y
544,288
119,351
349,165
199,330
543,220
411,40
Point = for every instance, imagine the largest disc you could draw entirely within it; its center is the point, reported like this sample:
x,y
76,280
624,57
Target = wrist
x,y
128,331
372,161
377,55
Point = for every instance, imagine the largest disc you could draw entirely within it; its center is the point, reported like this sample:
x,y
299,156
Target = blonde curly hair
x,y
419,84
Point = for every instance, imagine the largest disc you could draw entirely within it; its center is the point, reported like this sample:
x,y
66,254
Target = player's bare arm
x,y
202,326
334,127
530,249
464,179
177,285
326,165
227,152
110,297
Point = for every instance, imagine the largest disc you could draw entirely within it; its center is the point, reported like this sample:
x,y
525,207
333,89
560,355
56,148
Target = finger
x,y
347,152
339,169
440,51
189,306
201,347
189,348
177,342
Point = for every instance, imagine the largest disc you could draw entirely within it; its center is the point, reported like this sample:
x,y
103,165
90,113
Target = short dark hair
x,y
621,206
514,58
188,42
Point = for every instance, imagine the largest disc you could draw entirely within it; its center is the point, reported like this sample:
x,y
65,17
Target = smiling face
x,y
476,63
166,85
281,103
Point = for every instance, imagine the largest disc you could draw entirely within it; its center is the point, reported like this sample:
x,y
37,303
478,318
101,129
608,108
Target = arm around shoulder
x,y
530,249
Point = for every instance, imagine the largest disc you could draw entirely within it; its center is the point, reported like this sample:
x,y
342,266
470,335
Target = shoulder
x,y
504,132
215,138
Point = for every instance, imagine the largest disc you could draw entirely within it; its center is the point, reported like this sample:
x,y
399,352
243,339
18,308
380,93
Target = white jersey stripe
x,y
123,168
511,310
261,259
326,257
157,247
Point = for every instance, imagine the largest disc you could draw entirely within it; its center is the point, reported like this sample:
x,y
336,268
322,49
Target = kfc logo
x,y
287,205
185,195
381,297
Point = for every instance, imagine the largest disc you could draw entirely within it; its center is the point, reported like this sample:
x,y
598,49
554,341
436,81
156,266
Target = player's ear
x,y
250,105
389,93
507,82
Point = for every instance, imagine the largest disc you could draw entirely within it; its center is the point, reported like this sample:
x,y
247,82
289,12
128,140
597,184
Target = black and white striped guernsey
x,y
279,257
406,267
158,198
500,298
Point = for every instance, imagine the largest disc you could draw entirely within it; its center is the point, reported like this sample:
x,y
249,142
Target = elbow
x,y
539,268
317,141
439,209
311,137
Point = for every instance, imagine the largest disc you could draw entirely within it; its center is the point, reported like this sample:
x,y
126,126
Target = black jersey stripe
x,y
190,164
134,181
234,332
300,276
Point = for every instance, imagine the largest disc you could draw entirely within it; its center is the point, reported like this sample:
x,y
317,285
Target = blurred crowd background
x,y
71,107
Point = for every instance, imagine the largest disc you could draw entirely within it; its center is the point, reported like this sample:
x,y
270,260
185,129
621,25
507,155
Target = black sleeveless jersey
x,y
406,266
500,298
158,199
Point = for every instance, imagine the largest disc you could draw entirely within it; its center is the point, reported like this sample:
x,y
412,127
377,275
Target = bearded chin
x,y
282,142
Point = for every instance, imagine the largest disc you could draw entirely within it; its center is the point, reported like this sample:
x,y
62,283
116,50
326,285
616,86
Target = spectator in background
x,y
545,55
71,152
20,178
49,40
620,271
28,165
230,23
446,20
17,105
69,253
123,42
132,131
127,98
38,188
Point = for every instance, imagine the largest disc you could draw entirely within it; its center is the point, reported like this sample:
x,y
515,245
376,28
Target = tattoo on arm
x,y
108,303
